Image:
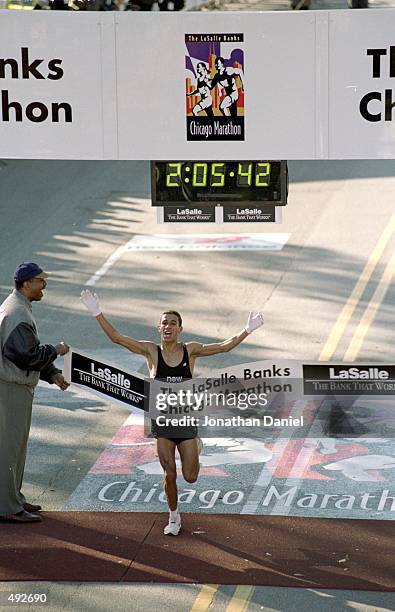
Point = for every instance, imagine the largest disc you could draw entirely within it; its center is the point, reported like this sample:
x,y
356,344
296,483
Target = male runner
x,y
226,78
171,361
203,85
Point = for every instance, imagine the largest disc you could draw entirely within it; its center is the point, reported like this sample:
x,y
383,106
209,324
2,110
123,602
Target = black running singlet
x,y
173,374
227,81
176,373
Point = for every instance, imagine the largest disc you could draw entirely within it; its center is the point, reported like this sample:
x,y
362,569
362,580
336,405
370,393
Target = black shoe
x,y
31,507
21,517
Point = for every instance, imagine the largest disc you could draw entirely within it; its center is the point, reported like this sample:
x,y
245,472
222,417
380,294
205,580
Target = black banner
x,y
240,213
182,214
109,381
215,128
349,379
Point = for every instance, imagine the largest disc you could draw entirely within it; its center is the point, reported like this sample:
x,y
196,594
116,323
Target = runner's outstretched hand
x,y
91,302
255,320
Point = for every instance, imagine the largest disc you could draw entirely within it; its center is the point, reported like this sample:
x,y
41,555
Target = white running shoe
x,y
173,527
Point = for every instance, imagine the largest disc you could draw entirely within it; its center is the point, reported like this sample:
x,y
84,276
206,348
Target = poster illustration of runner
x,y
214,67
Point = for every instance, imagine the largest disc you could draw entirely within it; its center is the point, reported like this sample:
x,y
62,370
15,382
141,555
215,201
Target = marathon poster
x,y
214,66
106,380
330,379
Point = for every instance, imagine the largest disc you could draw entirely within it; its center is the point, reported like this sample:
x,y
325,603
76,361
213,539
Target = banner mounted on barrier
x,y
126,85
106,380
246,400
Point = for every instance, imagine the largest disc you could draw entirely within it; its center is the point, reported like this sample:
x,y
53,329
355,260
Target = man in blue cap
x,y
23,361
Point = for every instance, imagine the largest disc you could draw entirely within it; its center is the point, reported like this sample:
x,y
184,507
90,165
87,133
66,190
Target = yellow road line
x,y
240,599
371,310
205,598
349,307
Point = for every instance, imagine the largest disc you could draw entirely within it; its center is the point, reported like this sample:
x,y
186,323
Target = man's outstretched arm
x,y
196,349
91,303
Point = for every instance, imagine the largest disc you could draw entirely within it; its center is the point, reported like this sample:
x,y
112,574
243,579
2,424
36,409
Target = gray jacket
x,y
23,359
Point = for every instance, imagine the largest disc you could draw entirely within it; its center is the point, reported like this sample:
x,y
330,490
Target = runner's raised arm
x,y
140,347
196,349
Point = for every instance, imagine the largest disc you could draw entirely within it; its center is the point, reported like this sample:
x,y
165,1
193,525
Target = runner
x,y
203,85
226,79
172,361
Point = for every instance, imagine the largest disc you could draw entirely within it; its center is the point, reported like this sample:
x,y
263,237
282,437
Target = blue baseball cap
x,y
27,270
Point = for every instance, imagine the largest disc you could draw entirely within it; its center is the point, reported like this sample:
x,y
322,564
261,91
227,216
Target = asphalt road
x,y
72,216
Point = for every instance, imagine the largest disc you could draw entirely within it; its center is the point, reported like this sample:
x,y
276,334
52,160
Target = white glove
x,y
91,302
255,320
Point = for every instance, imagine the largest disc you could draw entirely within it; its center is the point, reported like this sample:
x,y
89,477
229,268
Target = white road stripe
x,y
117,254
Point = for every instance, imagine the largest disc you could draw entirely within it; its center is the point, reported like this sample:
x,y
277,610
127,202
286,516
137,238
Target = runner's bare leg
x,y
189,453
167,457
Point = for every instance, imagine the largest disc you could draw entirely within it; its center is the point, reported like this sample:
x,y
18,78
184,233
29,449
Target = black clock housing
x,y
219,182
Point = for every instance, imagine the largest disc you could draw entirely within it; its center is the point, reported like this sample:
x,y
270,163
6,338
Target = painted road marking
x,y
352,302
127,475
192,242
208,242
371,311
265,477
116,255
300,465
205,598
240,599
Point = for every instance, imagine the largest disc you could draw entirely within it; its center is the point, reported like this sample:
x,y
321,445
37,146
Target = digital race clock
x,y
219,182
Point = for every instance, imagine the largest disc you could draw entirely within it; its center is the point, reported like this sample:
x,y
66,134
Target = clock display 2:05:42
x,y
218,174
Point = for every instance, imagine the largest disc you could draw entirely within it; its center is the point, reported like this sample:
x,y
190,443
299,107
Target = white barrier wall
x,y
305,85
50,86
361,84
